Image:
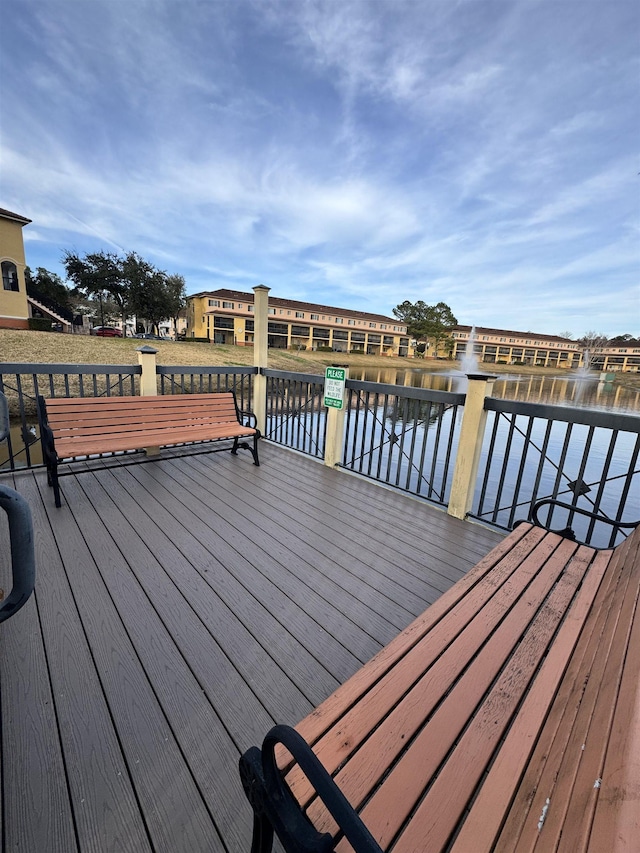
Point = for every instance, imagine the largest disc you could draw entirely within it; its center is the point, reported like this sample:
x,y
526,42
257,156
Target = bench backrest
x,y
83,416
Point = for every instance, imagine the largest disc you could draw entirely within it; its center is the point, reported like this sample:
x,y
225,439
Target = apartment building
x,y
226,317
14,308
501,346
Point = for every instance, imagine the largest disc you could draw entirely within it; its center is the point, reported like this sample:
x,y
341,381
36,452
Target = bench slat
x,y
569,741
482,826
617,814
445,804
453,638
513,549
406,781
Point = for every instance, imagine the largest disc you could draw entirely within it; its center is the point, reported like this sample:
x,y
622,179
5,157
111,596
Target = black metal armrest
x,y
567,532
23,564
270,796
252,420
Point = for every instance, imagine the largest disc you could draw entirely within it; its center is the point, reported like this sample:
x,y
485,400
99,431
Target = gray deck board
x,y
181,608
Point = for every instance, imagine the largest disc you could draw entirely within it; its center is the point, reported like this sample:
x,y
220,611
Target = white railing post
x,y
474,419
148,380
260,353
334,438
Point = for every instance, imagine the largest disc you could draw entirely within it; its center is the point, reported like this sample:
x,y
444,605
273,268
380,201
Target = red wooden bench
x,y
73,427
505,718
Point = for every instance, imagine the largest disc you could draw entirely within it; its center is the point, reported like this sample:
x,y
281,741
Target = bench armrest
x,y
23,566
567,532
46,433
271,797
251,419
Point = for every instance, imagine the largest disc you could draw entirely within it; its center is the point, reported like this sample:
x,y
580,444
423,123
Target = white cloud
x,y
374,150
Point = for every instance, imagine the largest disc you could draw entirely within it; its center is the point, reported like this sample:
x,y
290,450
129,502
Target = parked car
x,y
150,337
106,332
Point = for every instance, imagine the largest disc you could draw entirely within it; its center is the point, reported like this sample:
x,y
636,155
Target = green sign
x,y
334,379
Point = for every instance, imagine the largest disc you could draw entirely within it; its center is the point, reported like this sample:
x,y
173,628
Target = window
x,y
300,315
228,305
223,322
383,325
351,322
315,316
214,303
372,325
250,307
339,320
10,276
272,310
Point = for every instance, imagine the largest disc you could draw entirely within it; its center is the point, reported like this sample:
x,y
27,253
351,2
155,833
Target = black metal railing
x,y
403,436
295,415
582,457
22,383
209,380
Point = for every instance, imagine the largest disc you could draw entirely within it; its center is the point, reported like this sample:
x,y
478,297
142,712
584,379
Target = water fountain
x,y
469,362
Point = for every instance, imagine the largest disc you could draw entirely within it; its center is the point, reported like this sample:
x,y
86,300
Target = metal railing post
x,y
260,354
474,419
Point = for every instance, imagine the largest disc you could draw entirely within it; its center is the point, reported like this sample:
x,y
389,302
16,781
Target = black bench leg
x,y
53,481
253,450
253,784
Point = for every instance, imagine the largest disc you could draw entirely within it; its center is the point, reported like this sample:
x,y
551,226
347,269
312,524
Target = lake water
x,y
563,390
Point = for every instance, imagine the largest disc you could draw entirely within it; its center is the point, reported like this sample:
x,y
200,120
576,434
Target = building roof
x,y
7,214
539,336
311,307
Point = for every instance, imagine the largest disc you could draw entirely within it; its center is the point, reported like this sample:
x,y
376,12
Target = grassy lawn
x,y
52,348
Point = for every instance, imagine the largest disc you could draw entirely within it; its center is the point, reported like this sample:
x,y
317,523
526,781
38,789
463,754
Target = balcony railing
x,y
582,457
402,436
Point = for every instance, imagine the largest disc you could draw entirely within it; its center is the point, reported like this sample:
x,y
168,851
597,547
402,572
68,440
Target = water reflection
x,y
569,390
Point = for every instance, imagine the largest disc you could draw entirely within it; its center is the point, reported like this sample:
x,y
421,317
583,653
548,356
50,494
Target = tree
x,y
427,322
50,285
99,273
147,295
591,342
621,339
176,297
134,285
567,335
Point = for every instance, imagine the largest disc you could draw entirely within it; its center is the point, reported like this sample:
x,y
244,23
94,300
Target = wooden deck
x,y
181,608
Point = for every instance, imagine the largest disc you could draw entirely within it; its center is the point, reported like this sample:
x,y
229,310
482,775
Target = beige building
x,y
226,317
14,309
501,346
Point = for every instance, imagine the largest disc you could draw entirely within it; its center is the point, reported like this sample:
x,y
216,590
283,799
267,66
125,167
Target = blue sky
x,y
357,154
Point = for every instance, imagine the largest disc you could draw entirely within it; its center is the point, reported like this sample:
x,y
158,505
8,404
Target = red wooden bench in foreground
x,y
73,427
505,718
